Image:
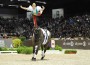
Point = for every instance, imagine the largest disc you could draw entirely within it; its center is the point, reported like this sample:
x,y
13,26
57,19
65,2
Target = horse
x,y
41,38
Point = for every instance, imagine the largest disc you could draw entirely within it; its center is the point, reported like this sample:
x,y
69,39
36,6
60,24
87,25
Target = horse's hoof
x,y
42,58
33,59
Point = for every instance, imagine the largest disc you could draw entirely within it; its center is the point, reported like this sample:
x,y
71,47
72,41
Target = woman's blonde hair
x,y
33,4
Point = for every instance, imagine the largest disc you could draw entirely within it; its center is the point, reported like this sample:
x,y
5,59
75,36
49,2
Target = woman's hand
x,y
43,7
20,6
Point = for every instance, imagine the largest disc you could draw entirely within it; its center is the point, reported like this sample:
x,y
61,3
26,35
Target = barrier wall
x,y
6,42
76,43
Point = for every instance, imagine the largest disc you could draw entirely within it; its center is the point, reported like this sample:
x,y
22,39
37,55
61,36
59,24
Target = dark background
x,y
71,7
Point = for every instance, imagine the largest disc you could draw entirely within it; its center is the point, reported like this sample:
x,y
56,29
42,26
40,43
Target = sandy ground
x,y
81,58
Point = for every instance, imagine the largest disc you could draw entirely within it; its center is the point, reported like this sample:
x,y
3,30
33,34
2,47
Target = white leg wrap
x,y
34,55
36,48
43,54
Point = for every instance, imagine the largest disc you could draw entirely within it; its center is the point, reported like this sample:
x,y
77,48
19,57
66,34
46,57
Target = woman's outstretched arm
x,y
25,8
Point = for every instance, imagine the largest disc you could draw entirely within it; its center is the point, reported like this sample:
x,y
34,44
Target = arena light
x,y
1,5
11,0
28,1
13,6
18,0
41,2
23,0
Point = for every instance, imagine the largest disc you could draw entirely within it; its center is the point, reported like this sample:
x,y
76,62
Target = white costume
x,y
36,10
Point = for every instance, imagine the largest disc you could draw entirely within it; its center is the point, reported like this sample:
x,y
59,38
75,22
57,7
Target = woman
x,y
36,11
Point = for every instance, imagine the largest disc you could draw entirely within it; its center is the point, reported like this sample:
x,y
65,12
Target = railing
x,y
12,52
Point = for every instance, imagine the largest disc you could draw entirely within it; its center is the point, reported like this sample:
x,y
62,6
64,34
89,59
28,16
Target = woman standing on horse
x,y
36,11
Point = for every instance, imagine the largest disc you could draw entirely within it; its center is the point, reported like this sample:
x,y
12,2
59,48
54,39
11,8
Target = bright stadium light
x,y
13,6
11,0
1,5
28,1
40,2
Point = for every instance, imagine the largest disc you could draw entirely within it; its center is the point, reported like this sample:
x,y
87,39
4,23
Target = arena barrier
x,y
73,43
68,43
6,42
11,52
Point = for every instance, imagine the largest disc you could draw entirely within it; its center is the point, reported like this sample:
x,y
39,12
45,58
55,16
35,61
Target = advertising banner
x,y
57,13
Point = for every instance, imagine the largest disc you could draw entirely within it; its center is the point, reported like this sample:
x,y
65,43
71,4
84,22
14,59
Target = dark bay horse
x,y
41,38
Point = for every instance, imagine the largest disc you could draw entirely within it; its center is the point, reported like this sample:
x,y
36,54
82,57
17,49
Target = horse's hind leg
x,y
43,54
35,51
44,48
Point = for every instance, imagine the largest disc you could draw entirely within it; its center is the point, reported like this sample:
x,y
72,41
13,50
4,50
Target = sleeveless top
x,y
34,11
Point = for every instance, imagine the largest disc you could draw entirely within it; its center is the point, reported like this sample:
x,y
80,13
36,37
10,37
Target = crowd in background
x,y
76,26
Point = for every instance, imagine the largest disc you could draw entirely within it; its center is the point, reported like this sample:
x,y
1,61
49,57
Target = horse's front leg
x,y
35,51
